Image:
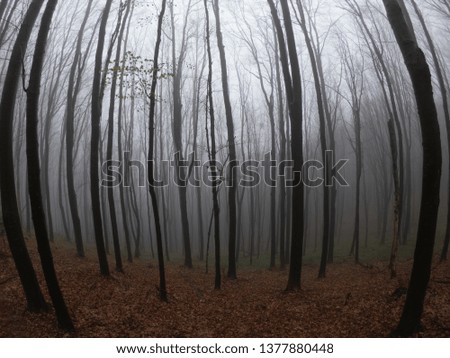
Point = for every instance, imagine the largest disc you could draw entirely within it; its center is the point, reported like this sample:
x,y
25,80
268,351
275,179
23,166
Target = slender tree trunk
x,y
282,156
432,164
70,114
212,151
96,106
123,210
109,150
34,182
441,80
358,153
323,145
177,139
11,217
396,228
162,276
293,86
232,190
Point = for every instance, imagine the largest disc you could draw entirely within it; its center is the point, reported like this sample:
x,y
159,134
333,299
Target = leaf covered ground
x,y
353,301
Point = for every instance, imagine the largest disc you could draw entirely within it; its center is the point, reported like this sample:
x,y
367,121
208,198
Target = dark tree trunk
x,y
323,145
178,142
441,80
61,179
432,164
162,276
109,150
396,228
232,190
123,210
212,156
70,118
282,157
95,139
293,86
34,182
11,217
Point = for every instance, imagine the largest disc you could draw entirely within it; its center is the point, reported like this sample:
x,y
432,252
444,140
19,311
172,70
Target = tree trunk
x,y
282,157
432,164
212,153
178,142
440,76
96,106
11,217
396,229
323,145
109,150
293,86
162,276
232,190
70,113
123,210
34,182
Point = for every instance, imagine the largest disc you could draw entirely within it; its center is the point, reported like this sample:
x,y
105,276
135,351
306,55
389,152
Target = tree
x,y
109,151
34,182
232,175
120,116
70,114
282,157
268,91
385,78
355,84
323,142
151,179
96,112
212,156
11,217
441,80
293,84
177,130
420,74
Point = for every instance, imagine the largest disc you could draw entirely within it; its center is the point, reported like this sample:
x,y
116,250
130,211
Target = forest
x,y
207,168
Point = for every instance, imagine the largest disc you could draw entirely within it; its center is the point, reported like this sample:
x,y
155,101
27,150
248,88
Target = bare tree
x,y
293,86
34,182
11,217
441,81
177,129
70,114
355,82
212,156
96,106
232,176
323,141
432,163
109,150
162,276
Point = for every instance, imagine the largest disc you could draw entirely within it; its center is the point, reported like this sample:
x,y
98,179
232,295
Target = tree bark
x,y
293,86
34,181
323,144
70,118
440,76
162,276
109,149
96,112
212,156
232,190
432,164
11,217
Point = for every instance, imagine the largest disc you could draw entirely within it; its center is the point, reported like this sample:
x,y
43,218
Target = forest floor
x,y
353,301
